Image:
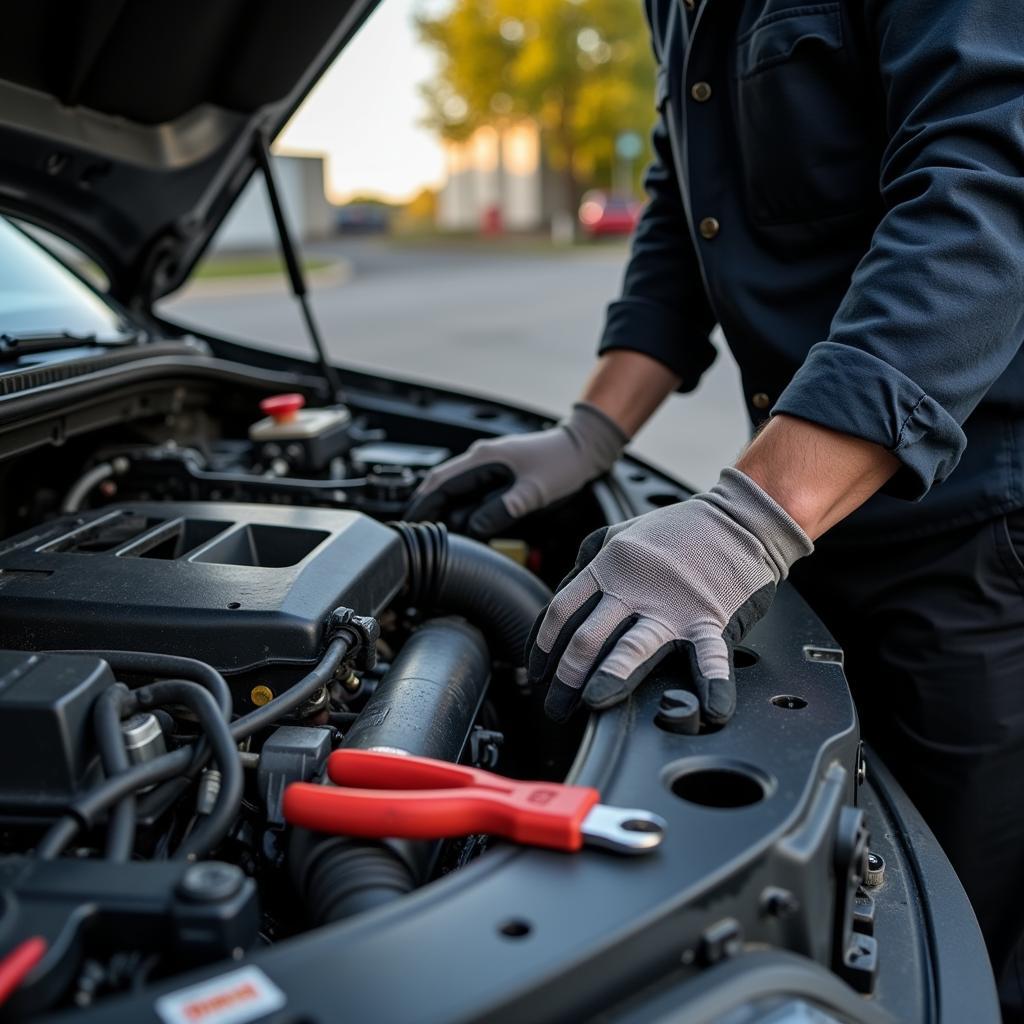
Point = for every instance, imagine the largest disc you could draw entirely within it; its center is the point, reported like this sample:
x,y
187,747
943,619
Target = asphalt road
x,y
517,324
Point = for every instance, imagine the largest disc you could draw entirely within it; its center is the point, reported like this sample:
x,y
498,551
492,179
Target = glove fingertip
x,y
560,702
718,700
422,510
604,691
490,519
537,661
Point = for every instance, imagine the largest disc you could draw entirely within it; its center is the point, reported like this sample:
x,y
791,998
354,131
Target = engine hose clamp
x,y
364,631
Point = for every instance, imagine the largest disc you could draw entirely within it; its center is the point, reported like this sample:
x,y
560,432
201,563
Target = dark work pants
x,y
933,632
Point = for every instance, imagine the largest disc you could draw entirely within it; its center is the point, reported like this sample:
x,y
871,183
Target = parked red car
x,y
602,213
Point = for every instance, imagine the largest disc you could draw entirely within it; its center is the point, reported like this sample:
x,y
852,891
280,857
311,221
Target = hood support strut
x,y
289,252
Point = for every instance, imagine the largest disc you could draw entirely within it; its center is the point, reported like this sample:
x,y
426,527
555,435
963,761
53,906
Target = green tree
x,y
582,69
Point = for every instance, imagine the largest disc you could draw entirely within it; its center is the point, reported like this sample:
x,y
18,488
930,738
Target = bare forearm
x,y
818,476
628,387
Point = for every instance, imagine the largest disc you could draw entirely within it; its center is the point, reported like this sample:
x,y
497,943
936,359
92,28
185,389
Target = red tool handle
x,y
376,769
418,798
18,964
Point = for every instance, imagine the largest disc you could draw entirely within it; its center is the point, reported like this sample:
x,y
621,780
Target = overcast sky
x,y
364,113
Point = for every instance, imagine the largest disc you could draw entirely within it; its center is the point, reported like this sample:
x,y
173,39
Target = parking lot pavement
x,y
518,325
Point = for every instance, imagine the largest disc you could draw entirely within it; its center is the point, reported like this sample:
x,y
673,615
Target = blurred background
x,y
464,180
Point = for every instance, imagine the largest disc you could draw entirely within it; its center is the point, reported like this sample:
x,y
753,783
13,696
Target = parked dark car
x,y
206,588
363,219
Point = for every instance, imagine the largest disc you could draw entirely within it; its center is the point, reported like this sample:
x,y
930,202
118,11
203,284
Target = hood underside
x,y
129,126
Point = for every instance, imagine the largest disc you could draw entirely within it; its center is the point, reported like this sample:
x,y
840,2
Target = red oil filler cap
x,y
283,408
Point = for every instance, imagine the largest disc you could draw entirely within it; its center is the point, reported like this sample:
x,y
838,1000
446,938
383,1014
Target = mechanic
x,y
840,187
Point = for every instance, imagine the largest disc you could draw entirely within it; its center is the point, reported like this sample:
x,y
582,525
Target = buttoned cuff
x,y
856,393
640,325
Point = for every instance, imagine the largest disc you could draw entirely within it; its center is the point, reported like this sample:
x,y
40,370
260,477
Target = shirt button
x,y
709,228
760,400
701,92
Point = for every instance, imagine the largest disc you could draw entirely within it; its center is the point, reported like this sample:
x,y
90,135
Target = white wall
x,y
492,170
300,180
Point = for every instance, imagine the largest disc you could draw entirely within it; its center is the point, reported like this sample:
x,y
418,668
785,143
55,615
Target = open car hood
x,y
128,127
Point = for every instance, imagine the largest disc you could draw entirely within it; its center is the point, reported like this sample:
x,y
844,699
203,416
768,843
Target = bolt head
x,y
874,870
210,882
261,694
679,699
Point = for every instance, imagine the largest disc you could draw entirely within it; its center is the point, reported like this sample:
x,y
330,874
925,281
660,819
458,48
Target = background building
x,y
497,180
300,179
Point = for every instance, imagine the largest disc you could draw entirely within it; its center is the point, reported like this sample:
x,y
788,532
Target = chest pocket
x,y
802,117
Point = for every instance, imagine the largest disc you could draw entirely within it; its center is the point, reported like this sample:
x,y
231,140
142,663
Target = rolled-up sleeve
x,y
935,309
663,311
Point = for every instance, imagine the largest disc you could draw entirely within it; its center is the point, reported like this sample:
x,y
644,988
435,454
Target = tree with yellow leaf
x,y
582,69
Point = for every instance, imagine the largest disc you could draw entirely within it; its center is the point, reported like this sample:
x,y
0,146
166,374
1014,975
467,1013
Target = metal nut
x,y
874,872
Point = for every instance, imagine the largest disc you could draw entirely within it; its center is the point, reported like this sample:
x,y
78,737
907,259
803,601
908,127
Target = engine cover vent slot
x,y
268,546
109,533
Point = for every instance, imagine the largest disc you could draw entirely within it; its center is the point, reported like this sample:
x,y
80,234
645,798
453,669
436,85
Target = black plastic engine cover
x,y
238,586
47,754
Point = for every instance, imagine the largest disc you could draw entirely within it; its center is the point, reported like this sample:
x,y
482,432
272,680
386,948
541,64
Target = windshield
x,y
39,295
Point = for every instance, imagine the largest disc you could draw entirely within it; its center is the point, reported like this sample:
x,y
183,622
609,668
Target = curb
x,y
333,276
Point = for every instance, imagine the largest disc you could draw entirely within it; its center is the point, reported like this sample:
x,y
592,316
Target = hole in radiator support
x,y
829,655
718,783
516,928
744,657
789,701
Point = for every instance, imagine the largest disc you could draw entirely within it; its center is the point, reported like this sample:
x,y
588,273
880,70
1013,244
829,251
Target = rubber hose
x,y
429,699
86,809
158,801
307,687
85,484
450,573
170,666
216,825
425,705
167,666
110,740
343,877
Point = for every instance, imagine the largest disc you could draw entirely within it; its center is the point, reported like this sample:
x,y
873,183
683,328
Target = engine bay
x,y
199,604
175,600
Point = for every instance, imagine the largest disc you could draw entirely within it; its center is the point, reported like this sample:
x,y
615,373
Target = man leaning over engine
x,y
840,187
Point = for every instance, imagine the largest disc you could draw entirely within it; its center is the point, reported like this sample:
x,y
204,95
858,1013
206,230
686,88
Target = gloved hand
x,y
694,576
516,475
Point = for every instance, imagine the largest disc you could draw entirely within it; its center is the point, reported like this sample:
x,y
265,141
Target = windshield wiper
x,y
14,345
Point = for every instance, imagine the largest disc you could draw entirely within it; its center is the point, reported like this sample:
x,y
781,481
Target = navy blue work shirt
x,y
840,186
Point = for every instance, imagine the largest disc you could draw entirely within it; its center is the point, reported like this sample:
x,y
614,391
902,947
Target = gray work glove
x,y
509,477
694,576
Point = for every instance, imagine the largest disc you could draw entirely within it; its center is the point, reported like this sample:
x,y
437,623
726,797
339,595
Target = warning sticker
x,y
234,998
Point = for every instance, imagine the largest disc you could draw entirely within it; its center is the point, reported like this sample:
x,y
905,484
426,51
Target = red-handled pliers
x,y
17,965
383,795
